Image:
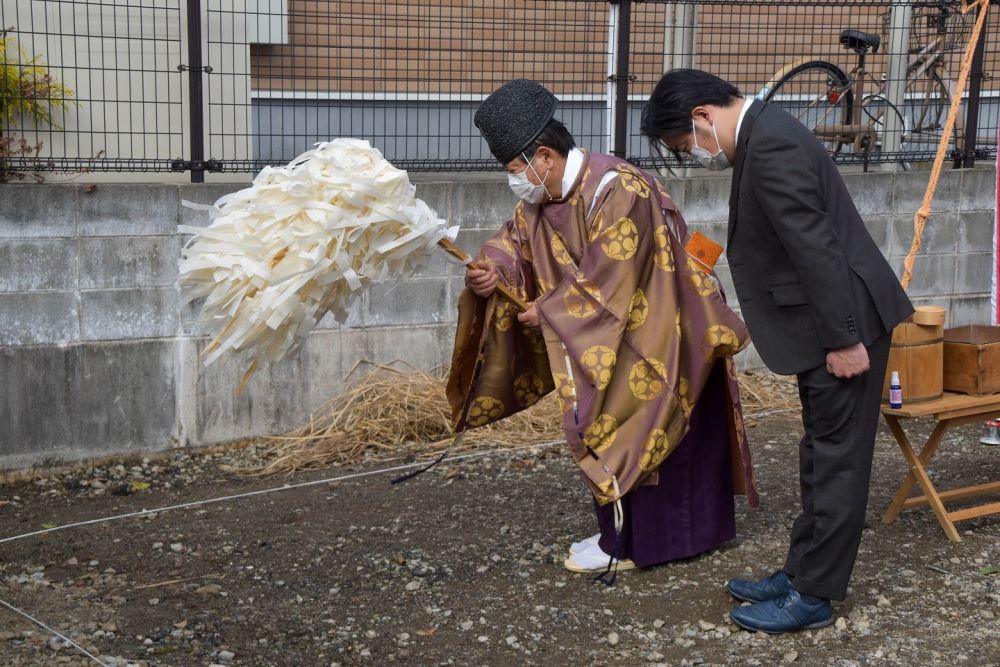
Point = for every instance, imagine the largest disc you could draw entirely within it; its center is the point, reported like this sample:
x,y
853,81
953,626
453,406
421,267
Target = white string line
x,y
55,632
285,487
768,413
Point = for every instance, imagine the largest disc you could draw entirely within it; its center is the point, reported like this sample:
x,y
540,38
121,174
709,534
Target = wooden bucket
x,y
917,352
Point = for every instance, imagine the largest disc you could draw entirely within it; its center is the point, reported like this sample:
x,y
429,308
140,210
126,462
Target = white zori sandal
x,y
593,560
584,543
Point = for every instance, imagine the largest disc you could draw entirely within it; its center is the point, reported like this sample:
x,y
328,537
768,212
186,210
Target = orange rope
x,y
920,220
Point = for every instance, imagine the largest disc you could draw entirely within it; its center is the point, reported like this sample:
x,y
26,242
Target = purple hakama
x,y
690,509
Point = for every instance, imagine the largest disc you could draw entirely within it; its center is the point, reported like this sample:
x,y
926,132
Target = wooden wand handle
x,y
456,252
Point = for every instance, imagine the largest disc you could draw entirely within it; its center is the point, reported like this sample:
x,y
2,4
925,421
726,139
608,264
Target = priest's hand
x,y
530,316
482,279
847,362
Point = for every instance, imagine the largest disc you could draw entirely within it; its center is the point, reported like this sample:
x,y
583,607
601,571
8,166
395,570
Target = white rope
x,y
619,514
619,510
56,633
285,487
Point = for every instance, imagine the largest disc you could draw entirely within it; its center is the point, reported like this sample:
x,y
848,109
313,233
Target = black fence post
x,y
972,110
196,71
620,130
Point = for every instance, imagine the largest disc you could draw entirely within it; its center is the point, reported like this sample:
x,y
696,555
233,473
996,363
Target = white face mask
x,y
525,189
712,162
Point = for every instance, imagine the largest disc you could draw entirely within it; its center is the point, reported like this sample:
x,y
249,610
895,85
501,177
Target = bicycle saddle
x,y
859,41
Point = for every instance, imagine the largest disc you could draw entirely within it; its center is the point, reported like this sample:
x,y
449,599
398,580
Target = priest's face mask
x,y
525,179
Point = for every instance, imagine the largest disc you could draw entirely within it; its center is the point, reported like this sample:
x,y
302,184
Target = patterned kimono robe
x,y
630,329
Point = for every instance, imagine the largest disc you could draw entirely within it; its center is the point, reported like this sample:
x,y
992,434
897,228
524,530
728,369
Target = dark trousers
x,y
835,460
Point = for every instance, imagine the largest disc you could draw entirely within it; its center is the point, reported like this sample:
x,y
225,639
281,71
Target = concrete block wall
x,y
97,356
953,267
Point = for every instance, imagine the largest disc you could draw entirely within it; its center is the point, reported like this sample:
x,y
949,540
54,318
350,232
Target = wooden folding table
x,y
949,411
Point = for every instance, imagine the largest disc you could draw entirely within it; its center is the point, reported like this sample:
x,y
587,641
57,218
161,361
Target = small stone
x,y
511,640
613,638
226,656
655,656
841,623
908,573
153,601
705,625
883,601
466,625
177,547
658,623
72,561
791,656
482,639
413,585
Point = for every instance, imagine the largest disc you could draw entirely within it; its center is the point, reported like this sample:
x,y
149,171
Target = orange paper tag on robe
x,y
703,250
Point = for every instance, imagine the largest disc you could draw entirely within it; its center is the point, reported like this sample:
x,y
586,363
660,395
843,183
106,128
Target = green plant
x,y
17,147
27,90
26,87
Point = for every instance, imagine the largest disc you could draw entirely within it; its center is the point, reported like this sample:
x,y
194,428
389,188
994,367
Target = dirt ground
x,y
462,566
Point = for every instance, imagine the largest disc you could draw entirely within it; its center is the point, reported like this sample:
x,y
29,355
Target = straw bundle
x,y
388,413
764,394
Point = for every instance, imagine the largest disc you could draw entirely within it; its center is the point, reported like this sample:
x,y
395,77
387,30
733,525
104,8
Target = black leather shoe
x,y
768,588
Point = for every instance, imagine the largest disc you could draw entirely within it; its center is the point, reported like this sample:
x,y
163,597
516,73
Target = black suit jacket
x,y
808,276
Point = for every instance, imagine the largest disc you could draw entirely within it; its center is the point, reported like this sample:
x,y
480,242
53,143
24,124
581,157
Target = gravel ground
x,y
462,566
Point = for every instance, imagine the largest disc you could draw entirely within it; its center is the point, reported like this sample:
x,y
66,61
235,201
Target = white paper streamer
x,y
301,242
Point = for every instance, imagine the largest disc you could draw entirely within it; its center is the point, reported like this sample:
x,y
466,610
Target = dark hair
x,y
668,111
554,136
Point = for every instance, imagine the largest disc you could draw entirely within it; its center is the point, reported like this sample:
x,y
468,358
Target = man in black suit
x,y
820,301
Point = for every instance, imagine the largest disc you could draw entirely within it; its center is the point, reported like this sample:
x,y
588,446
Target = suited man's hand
x,y
847,362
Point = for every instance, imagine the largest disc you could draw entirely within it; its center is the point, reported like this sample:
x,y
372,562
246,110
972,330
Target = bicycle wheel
x,y
875,112
817,93
927,106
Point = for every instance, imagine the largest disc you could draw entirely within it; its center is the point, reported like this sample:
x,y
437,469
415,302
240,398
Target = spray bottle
x,y
895,392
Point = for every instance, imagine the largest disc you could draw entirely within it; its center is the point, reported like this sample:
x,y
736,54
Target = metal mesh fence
x,y
409,75
154,85
872,78
91,85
